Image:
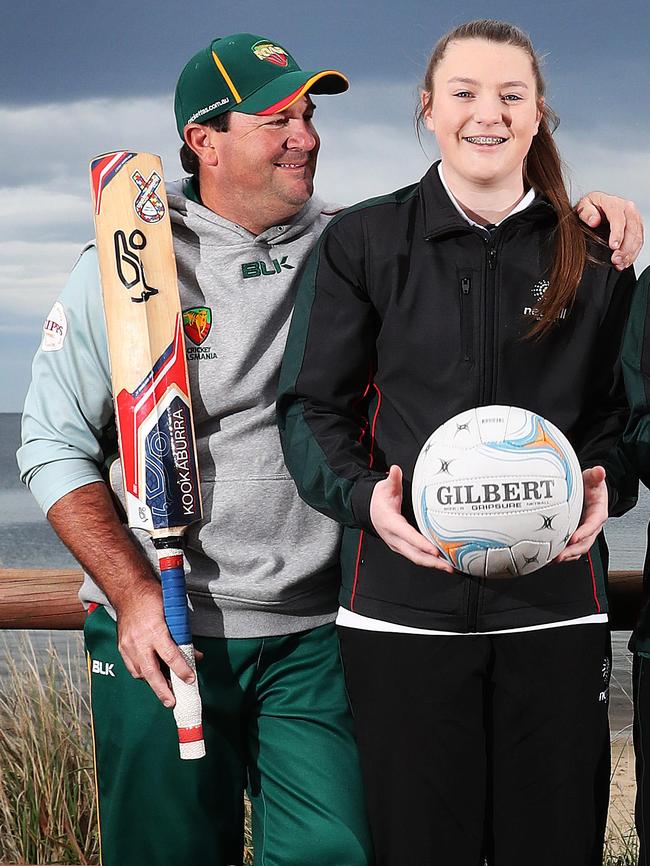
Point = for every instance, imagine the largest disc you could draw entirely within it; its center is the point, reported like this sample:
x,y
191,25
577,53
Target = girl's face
x,y
484,111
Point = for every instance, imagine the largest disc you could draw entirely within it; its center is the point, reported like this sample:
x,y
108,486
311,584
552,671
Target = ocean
x,y
27,541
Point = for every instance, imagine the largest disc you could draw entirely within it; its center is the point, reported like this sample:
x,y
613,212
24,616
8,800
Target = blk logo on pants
x,y
103,668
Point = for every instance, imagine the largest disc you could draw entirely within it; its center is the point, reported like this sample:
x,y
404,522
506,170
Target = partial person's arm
x,y
636,372
326,399
325,390
610,487
625,225
66,437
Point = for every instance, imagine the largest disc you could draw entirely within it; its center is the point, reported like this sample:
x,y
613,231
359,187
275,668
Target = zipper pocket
x,y
466,319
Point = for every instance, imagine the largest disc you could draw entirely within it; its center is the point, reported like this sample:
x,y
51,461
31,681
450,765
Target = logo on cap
x,y
272,53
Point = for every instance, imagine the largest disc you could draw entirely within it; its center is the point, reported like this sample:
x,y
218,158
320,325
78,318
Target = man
x,y
262,568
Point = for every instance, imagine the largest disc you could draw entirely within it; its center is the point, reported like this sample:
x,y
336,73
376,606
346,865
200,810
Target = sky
x,y
77,81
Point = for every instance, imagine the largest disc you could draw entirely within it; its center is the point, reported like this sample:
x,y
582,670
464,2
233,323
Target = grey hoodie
x,y
261,562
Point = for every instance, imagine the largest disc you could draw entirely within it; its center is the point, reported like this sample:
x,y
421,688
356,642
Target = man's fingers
x,y
625,225
175,661
151,673
131,667
632,237
588,213
143,652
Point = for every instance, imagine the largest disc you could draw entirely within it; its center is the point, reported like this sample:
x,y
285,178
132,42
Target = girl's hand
x,y
395,530
594,515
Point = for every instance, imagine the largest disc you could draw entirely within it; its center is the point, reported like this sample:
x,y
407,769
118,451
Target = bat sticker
x,y
148,205
126,256
102,171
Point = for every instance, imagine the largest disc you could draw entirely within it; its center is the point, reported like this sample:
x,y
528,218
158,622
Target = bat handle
x,y
187,711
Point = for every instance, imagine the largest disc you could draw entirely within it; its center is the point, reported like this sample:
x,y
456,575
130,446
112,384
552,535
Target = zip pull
x,y
465,285
492,258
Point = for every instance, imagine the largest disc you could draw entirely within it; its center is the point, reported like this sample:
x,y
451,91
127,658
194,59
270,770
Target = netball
x,y
498,490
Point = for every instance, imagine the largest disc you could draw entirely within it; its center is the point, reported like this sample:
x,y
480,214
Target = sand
x,y
620,825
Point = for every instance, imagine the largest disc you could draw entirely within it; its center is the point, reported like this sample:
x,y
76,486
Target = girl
x,y
480,704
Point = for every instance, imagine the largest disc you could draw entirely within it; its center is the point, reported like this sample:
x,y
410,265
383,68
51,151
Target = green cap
x,y
245,73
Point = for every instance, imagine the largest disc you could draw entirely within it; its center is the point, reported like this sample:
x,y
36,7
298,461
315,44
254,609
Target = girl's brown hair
x,y
542,170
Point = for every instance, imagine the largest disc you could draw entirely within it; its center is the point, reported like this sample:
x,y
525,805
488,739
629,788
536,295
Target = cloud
x,y
51,145
369,147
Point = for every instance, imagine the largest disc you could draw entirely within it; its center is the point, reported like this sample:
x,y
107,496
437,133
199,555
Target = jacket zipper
x,y
466,318
486,395
487,380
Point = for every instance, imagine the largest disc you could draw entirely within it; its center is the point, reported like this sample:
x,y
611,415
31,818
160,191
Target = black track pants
x,y
482,746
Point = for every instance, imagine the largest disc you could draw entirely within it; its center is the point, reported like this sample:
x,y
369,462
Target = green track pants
x,y
276,722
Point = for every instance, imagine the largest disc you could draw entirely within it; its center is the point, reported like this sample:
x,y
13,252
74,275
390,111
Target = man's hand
x,y
144,641
395,530
625,224
594,515
86,521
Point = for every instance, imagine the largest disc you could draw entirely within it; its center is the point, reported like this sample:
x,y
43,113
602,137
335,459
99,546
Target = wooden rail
x,y
40,598
47,598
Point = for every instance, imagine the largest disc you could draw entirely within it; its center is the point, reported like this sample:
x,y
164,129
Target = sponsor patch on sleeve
x,y
55,329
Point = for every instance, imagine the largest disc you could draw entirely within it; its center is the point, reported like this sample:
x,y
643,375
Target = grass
x,y
48,809
47,793
621,849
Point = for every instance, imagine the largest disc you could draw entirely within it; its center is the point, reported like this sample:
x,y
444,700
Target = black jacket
x,y
407,315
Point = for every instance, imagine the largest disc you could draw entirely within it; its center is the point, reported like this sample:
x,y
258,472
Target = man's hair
x,y
189,160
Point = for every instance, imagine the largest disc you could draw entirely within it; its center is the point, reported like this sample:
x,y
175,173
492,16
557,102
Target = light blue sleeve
x,y
69,406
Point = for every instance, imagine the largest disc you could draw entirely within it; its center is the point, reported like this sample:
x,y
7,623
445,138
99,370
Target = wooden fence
x,y
47,598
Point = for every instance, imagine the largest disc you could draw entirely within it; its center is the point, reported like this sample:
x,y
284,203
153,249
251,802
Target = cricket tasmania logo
x,y
197,323
272,53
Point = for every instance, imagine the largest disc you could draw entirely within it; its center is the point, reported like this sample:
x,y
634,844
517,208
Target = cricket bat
x,y
151,393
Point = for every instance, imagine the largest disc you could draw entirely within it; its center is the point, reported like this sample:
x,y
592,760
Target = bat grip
x,y
187,711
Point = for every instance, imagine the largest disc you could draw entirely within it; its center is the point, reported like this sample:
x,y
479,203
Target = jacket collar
x,y
440,217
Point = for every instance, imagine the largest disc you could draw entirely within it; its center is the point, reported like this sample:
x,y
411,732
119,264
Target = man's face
x,y
269,161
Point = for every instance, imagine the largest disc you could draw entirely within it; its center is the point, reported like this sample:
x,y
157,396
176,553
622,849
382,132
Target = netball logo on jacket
x,y
606,670
197,324
538,291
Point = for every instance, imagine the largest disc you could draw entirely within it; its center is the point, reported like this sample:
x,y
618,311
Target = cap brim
x,y
284,90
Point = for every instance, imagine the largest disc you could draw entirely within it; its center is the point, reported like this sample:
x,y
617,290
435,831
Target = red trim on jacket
x,y
593,582
370,462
